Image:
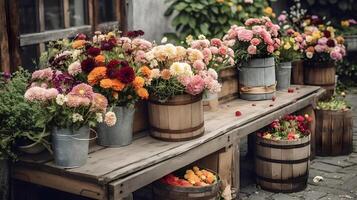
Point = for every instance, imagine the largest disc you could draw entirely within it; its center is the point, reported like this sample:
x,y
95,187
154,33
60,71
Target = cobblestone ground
x,y
339,175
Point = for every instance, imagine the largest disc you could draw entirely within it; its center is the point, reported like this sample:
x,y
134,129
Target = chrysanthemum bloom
x,y
199,65
99,103
82,90
126,75
35,93
88,64
75,101
245,35
42,74
113,63
194,54
93,51
142,93
145,71
165,74
76,117
117,85
78,44
138,82
110,119
196,85
97,74
106,83
51,93
100,59
75,68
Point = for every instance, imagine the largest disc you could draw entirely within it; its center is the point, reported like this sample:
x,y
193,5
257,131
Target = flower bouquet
x,y
71,109
178,79
113,66
291,127
254,45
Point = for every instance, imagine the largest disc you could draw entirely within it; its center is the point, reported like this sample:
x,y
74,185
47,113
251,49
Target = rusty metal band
x,y
283,161
257,89
299,179
177,139
292,146
187,130
196,98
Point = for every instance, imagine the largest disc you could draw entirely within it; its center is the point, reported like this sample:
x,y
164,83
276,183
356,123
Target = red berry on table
x,y
253,104
290,90
238,113
273,98
271,105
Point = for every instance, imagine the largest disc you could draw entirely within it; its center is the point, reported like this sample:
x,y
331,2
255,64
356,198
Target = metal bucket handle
x,y
74,138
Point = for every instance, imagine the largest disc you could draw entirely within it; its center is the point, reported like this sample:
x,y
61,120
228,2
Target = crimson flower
x,y
88,65
126,75
93,51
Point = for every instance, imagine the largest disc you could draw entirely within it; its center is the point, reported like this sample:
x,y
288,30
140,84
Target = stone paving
x,y
339,175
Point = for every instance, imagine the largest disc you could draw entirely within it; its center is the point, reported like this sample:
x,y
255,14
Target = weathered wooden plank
x,y
13,34
59,182
4,45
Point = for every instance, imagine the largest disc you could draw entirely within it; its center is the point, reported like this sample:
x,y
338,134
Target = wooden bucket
x,y
169,192
229,81
257,79
321,74
178,119
297,72
282,166
333,132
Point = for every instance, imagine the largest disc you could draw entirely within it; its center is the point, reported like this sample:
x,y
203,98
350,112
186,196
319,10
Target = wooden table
x,y
114,173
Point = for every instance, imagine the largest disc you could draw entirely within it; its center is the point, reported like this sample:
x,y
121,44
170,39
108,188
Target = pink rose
x,y
207,55
322,41
196,85
270,48
222,50
245,35
255,42
320,48
214,50
282,18
336,55
252,50
216,42
184,80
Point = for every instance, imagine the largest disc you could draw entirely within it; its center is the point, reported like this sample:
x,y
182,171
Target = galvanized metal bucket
x,y
257,79
70,147
121,134
283,75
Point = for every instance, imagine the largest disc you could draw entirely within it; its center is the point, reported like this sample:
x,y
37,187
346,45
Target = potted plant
x,y
217,56
323,49
178,79
349,30
70,110
113,66
18,117
275,147
334,126
254,45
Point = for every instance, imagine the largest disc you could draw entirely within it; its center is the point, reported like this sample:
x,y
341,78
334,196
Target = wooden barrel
x,y
297,72
178,119
321,74
282,166
229,81
257,79
169,192
210,102
334,132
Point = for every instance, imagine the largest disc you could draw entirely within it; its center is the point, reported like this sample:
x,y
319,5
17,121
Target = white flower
x,y
110,118
74,68
61,99
309,54
76,53
201,37
76,117
211,72
99,117
189,39
155,73
178,69
164,40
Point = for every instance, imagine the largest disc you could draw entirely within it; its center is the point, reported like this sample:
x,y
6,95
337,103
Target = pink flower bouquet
x,y
257,39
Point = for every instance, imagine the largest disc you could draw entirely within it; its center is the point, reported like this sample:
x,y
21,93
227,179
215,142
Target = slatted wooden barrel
x,y
282,166
321,74
297,72
334,132
229,81
178,119
164,191
257,79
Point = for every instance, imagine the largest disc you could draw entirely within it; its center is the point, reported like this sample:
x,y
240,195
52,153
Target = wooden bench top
x,y
115,172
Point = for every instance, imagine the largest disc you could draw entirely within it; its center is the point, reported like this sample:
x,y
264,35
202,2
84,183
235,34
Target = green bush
x,y
211,18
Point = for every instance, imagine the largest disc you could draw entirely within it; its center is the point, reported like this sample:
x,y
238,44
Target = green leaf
x,y
204,28
180,6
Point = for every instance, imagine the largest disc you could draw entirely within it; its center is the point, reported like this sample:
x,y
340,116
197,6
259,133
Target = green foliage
x,y
347,71
18,118
164,89
211,18
336,103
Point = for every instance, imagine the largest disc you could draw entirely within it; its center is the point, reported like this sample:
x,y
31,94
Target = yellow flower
x,y
316,35
268,11
189,39
292,40
331,29
296,47
220,1
277,53
138,82
345,23
309,38
142,93
267,136
239,8
321,27
287,46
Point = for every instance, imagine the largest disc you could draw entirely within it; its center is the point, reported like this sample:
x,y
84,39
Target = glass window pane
x,y
78,12
106,11
29,57
28,24
53,14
